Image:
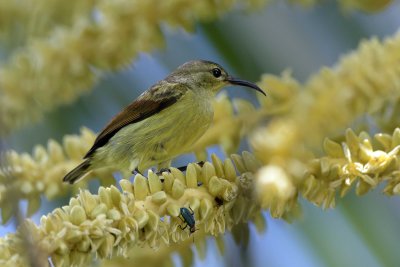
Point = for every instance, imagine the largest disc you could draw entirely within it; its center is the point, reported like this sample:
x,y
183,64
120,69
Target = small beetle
x,y
188,219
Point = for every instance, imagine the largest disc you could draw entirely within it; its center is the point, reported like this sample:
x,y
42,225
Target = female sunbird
x,y
163,122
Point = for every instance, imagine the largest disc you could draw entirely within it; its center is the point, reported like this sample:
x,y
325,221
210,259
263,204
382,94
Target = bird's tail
x,y
78,173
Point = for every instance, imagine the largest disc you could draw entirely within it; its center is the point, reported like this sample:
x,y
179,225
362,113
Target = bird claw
x,y
200,163
163,170
183,168
136,171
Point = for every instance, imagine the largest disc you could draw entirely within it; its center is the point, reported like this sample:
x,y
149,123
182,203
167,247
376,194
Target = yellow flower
x,y
30,176
111,222
355,161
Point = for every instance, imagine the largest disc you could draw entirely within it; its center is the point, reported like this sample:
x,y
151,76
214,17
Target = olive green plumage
x,y
163,122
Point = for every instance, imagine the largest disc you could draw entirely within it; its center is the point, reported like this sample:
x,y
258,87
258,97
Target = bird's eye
x,y
216,72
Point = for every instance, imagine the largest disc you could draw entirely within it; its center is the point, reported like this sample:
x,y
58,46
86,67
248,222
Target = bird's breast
x,y
164,135
192,117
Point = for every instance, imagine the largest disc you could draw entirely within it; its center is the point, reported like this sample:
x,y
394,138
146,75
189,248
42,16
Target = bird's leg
x,y
183,168
163,167
134,166
163,170
136,171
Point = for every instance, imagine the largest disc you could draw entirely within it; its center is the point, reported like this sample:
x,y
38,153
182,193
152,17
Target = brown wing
x,y
151,102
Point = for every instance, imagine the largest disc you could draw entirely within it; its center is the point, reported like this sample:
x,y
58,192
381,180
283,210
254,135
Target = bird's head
x,y
207,75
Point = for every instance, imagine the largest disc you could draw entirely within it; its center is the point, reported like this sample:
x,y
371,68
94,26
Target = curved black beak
x,y
235,81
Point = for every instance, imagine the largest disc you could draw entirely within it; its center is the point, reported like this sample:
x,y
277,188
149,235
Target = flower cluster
x,y
21,21
363,82
113,221
31,176
41,173
353,162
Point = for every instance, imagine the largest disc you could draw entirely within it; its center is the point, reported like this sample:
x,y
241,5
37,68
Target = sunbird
x,y
163,122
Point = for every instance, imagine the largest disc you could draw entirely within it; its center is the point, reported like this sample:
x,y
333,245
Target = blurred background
x,y
360,231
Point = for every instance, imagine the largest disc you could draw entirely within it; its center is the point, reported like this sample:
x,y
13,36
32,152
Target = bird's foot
x,y
136,171
183,168
163,170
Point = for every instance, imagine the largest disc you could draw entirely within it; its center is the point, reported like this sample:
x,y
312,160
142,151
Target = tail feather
x,y
78,173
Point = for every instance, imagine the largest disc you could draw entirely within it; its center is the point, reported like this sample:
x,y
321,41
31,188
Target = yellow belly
x,y
158,138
